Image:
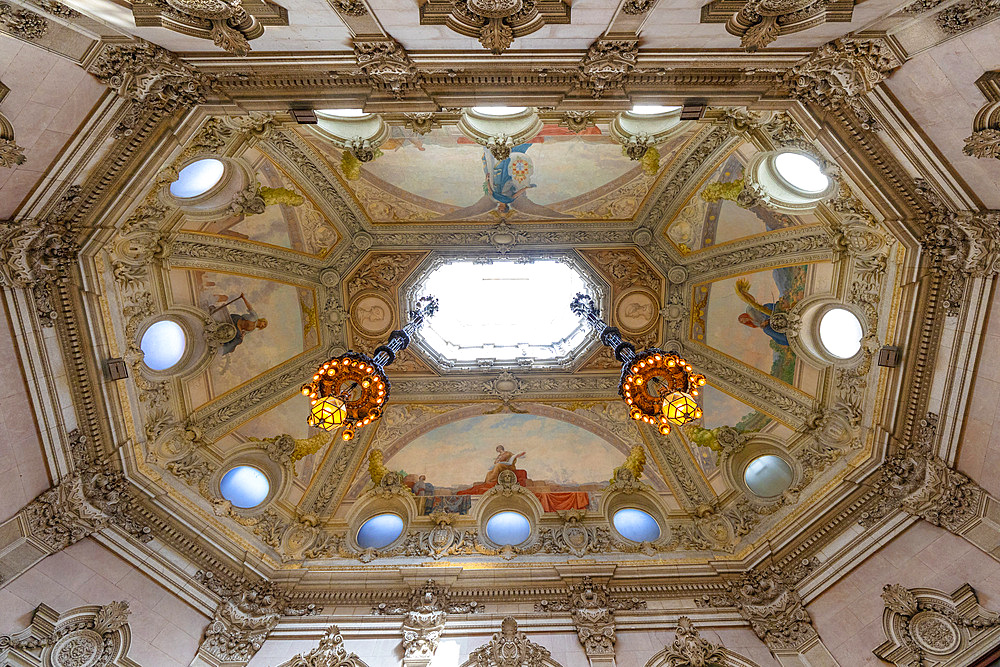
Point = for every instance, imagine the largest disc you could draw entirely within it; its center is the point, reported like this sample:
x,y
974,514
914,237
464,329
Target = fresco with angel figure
x,y
564,465
445,176
733,316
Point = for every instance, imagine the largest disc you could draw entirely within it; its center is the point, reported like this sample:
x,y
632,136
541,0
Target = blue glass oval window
x,y
508,528
245,486
636,525
768,475
162,345
380,531
197,178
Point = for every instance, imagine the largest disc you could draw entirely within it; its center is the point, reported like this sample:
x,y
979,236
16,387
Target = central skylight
x,y
504,311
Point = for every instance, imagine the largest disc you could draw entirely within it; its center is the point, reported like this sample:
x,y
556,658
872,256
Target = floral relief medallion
x,y
935,633
79,649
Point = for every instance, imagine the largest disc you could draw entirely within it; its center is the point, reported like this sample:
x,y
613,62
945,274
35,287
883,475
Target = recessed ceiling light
x,y
197,178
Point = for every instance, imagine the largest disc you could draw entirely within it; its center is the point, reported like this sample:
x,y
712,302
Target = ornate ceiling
x,y
324,235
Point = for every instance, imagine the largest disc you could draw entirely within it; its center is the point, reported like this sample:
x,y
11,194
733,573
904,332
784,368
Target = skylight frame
x,y
568,358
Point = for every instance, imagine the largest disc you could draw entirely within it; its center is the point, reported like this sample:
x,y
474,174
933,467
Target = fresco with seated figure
x,y
564,465
288,220
712,217
445,176
273,323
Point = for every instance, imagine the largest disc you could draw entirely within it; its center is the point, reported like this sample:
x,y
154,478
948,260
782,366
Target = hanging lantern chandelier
x,y
659,387
351,389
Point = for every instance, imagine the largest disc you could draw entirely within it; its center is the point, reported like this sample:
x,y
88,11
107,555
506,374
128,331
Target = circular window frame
x,y
762,173
532,528
253,458
746,467
634,506
190,353
228,172
247,466
760,445
381,512
807,341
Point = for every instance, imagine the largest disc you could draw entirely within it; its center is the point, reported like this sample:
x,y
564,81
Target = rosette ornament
x,y
660,388
351,390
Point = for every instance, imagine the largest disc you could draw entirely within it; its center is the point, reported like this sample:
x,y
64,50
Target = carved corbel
x,y
607,64
153,81
246,615
11,154
592,608
424,616
840,74
386,65
759,22
985,139
508,648
330,653
922,484
961,245
21,23
230,24
768,600
495,23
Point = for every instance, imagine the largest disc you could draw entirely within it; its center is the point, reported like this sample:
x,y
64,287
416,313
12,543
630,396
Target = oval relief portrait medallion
x,y
371,315
636,311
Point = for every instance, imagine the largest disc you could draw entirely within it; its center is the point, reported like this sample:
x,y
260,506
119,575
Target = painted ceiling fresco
x,y
732,316
275,322
295,223
445,176
564,465
708,219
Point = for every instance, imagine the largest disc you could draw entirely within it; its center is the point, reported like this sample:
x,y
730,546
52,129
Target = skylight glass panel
x,y
504,311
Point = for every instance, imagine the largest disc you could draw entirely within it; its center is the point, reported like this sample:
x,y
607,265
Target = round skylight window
x,y
499,111
380,531
504,311
163,345
636,525
801,172
651,110
840,333
197,178
245,486
768,476
508,528
344,113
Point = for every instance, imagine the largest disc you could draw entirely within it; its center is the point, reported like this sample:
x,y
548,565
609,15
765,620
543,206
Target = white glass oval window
x,y
380,531
636,525
840,333
197,178
163,345
245,486
651,110
499,111
801,172
508,528
768,475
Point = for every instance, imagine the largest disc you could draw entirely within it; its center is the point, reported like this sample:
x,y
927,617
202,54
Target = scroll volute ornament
x,y
759,22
